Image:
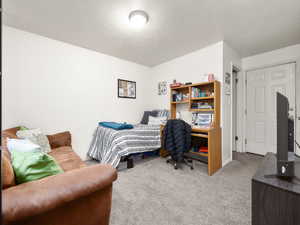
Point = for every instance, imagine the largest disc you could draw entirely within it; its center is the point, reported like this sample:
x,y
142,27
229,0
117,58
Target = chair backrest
x,y
177,135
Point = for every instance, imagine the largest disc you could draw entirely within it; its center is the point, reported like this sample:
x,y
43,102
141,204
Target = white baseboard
x,y
226,162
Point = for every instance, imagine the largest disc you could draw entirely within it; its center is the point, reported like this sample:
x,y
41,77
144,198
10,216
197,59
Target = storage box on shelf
x,y
180,95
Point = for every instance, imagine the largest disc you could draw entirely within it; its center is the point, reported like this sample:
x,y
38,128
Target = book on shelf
x,y
204,153
198,93
174,85
203,149
201,105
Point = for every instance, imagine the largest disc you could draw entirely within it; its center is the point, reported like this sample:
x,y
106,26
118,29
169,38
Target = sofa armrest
x,y
60,139
37,197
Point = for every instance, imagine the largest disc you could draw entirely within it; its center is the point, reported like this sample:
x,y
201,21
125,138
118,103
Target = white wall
x,y
271,58
230,58
187,68
191,68
58,86
283,55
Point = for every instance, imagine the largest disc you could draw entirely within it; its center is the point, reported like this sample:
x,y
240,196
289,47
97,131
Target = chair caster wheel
x,y
192,168
175,167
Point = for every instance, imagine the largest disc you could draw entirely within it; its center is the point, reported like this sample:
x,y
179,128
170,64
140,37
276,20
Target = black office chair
x,y
177,140
177,163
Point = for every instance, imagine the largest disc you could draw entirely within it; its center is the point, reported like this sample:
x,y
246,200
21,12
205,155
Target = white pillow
x,y
157,120
21,145
37,137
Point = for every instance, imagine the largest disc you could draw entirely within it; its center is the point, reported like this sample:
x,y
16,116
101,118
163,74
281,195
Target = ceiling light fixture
x,y
138,18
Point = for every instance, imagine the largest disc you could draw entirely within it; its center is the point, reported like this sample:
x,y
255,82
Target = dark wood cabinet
x,y
275,201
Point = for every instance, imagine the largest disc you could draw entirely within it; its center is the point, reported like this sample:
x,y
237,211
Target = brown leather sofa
x,y
79,196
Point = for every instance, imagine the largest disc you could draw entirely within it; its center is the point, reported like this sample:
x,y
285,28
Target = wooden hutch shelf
x,y
203,98
181,102
199,135
211,135
202,110
199,153
212,98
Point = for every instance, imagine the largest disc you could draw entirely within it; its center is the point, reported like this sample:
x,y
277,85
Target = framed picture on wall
x,y
126,89
162,88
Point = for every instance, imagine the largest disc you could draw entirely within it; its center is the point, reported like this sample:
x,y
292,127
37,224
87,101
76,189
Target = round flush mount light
x,y
138,18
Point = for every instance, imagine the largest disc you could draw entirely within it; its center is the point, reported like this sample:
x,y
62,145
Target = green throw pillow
x,y
23,128
33,165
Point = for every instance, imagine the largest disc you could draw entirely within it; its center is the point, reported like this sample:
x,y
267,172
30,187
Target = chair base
x,y
177,164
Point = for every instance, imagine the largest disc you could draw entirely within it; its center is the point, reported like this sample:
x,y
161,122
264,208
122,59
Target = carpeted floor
x,y
153,193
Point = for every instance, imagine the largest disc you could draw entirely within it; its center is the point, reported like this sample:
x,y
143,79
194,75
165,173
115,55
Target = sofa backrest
x,y
7,172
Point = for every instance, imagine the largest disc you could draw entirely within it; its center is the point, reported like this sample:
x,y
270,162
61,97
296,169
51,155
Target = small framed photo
x,y
162,88
126,89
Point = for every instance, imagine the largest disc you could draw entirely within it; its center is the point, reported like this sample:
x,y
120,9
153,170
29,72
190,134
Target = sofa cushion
x,y
33,165
9,133
7,172
37,137
22,145
67,158
60,139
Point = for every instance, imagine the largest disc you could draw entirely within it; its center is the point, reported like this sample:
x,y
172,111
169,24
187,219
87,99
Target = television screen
x,y
282,127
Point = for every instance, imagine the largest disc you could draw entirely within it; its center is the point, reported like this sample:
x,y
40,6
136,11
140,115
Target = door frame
x,y
232,106
297,111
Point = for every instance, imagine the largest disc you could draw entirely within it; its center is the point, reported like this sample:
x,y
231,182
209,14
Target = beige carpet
x,y
153,193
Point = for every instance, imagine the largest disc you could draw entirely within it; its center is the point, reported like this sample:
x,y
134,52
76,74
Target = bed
x,y
109,145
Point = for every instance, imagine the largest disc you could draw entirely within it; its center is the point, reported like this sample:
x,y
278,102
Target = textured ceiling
x,y
176,27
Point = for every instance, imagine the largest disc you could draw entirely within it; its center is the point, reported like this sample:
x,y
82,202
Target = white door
x,y
262,85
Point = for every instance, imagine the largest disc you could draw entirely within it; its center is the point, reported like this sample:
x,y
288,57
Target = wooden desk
x,y
214,157
275,201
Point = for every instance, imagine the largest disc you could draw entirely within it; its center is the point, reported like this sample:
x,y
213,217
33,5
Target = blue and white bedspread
x,y
108,145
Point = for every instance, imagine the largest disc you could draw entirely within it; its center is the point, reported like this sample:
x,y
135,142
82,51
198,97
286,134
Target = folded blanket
x,y
116,126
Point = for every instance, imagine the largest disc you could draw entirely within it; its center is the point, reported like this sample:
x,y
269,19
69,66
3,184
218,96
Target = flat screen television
x,y
285,160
